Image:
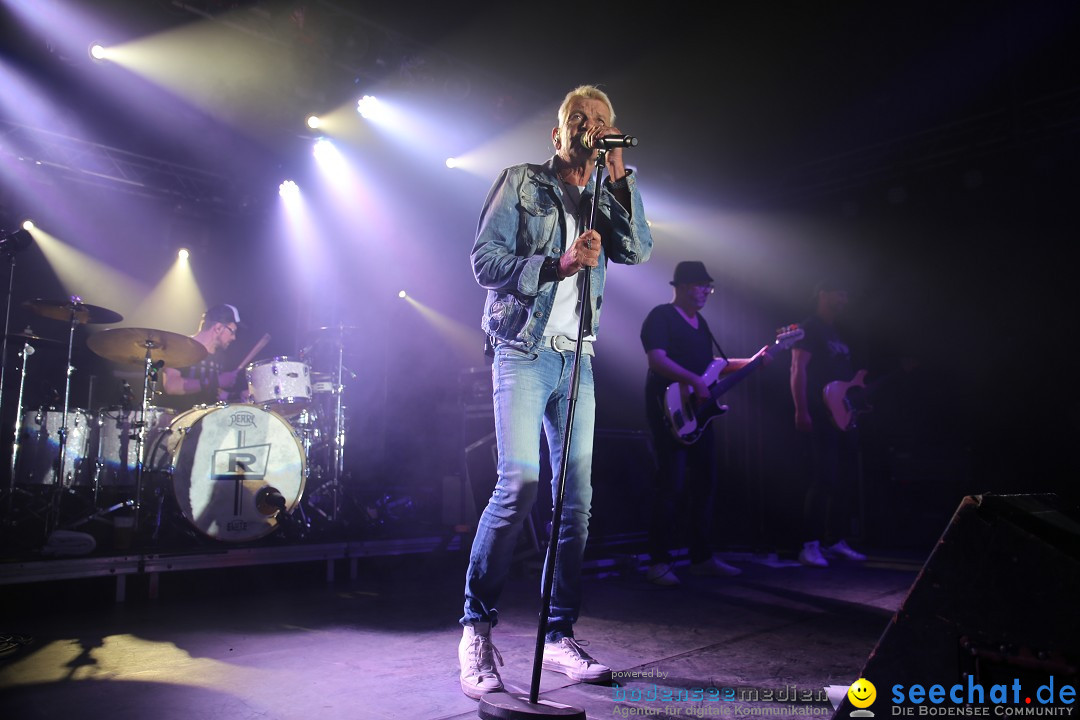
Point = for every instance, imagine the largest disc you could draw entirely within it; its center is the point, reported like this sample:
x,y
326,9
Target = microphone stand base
x,y
504,706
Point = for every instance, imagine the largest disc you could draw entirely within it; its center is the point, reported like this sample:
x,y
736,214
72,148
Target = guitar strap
x,y
713,339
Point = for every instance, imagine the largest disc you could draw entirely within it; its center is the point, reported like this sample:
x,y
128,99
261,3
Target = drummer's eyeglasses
x,y
231,328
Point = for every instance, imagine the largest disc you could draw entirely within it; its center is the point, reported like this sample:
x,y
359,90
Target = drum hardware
x,y
10,245
334,386
100,514
153,349
27,351
25,354
75,312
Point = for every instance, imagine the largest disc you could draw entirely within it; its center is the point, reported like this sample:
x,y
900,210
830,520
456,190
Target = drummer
x,y
206,382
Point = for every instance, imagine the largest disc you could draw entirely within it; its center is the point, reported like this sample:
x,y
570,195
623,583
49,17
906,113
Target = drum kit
x,y
229,472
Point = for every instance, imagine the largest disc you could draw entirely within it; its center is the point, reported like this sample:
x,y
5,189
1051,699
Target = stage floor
x,y
281,642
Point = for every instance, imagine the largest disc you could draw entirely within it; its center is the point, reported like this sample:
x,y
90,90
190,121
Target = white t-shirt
x,y
564,311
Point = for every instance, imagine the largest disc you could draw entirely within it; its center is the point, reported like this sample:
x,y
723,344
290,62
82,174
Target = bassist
x,y
679,347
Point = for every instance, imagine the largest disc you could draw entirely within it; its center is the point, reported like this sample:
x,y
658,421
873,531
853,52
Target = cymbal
x,y
344,329
63,310
333,334
130,345
29,335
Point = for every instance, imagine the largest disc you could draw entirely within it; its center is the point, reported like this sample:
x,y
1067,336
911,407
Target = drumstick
x,y
258,346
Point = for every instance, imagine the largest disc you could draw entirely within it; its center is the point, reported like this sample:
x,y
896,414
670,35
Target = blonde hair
x,y
588,92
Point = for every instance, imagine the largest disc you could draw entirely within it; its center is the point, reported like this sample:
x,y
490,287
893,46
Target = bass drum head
x,y
232,468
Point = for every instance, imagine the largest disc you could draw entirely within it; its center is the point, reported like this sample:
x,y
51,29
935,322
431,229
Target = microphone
x,y
270,501
610,141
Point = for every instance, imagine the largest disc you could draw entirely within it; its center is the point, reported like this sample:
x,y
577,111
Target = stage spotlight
x,y
327,153
289,189
28,225
314,122
97,51
368,107
403,295
183,254
451,163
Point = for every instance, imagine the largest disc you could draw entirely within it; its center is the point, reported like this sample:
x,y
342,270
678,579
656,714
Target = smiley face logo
x,y
862,693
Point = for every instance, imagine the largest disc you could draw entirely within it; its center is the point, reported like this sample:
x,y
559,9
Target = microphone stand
x,y
10,254
503,706
7,325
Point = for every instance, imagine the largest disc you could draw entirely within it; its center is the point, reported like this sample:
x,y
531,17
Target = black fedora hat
x,y
691,272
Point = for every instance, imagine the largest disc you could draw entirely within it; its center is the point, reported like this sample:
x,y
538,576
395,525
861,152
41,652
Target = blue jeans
x,y
531,391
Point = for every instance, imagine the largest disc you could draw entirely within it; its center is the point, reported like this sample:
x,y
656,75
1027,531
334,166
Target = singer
x,y
531,252
205,383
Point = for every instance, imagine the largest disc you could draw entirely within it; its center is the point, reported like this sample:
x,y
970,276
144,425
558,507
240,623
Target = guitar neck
x,y
726,382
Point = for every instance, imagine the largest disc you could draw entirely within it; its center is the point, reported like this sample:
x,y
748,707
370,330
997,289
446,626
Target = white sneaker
x,y
477,657
568,657
713,567
662,574
842,549
811,555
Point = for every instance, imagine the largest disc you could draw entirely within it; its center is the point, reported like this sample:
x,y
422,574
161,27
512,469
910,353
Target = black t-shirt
x,y
666,329
830,359
206,371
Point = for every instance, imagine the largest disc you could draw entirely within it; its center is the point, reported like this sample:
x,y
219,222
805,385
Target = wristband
x,y
550,271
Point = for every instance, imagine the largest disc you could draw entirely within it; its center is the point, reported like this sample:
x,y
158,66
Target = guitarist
x,y
679,347
821,357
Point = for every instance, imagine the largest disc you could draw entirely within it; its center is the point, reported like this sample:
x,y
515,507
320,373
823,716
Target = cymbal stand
x,y
27,351
76,301
339,426
150,372
61,481
334,430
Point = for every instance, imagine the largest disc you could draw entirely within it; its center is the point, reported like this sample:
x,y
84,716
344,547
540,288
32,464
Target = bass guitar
x,y
687,416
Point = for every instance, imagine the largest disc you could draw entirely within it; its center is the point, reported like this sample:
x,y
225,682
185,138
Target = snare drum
x,y
232,467
39,446
117,454
281,384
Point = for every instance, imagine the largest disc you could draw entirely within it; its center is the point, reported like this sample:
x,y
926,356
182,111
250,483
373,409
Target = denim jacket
x,y
521,225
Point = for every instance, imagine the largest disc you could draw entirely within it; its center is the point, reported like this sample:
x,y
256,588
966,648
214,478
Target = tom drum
x,y
118,447
282,384
39,446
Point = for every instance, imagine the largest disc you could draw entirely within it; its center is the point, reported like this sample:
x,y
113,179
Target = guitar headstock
x,y
789,335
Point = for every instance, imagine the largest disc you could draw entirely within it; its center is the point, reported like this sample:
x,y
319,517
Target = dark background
x,y
927,152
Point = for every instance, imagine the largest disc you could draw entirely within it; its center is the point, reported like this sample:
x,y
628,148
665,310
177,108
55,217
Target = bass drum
x,y
233,469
